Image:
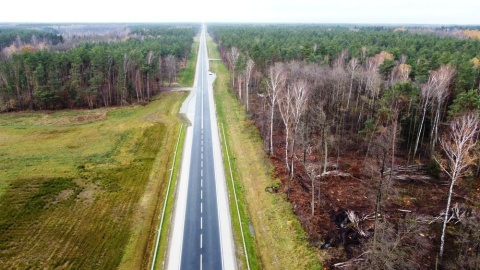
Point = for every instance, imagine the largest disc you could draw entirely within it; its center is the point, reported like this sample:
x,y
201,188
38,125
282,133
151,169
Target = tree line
x,y
18,37
93,74
381,94
322,44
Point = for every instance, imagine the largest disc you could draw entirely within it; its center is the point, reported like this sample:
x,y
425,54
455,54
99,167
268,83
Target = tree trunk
x,y
286,149
378,203
419,131
292,154
271,128
434,133
442,238
325,150
394,140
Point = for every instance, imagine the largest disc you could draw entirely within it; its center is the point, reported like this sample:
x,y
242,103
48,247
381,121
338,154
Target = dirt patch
x,y
348,188
64,195
89,192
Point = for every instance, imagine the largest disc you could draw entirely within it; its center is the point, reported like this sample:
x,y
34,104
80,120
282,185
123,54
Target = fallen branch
x,y
457,214
351,261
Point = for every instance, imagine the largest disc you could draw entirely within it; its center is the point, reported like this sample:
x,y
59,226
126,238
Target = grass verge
x,y
78,188
163,245
277,240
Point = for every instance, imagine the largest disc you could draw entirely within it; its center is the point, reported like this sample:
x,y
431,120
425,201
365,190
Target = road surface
x,y
202,234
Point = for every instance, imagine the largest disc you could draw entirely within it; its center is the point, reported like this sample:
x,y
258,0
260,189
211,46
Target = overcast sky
x,y
302,11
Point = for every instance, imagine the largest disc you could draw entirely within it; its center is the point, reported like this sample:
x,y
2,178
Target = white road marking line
x,y
201,156
201,163
201,261
201,173
201,148
201,223
201,240
201,208
201,194
201,182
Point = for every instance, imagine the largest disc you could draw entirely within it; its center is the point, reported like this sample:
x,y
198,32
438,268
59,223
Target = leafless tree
x,y
300,96
457,145
248,75
400,73
444,76
400,246
379,153
232,57
285,106
276,81
426,95
373,80
353,65
468,245
373,86
292,103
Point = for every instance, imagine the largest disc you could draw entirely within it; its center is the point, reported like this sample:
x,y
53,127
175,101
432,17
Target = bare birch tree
x,y
232,57
285,107
292,103
300,96
353,65
426,95
457,145
444,76
275,82
248,75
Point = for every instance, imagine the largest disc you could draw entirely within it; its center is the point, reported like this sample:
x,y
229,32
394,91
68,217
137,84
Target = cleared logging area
x,y
79,189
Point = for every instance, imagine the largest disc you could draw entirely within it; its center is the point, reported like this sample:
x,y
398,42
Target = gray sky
x,y
303,11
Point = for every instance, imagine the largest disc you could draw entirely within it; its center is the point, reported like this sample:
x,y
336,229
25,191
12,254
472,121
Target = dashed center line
x,y
201,191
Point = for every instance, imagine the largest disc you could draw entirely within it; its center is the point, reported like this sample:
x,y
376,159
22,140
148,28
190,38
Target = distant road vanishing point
x,y
201,229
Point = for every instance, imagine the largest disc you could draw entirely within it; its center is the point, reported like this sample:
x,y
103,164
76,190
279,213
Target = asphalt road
x,y
200,239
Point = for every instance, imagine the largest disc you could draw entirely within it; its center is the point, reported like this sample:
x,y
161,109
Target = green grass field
x,y
279,241
79,189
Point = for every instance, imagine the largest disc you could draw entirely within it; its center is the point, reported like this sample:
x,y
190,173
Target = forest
x,y
373,133
41,70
